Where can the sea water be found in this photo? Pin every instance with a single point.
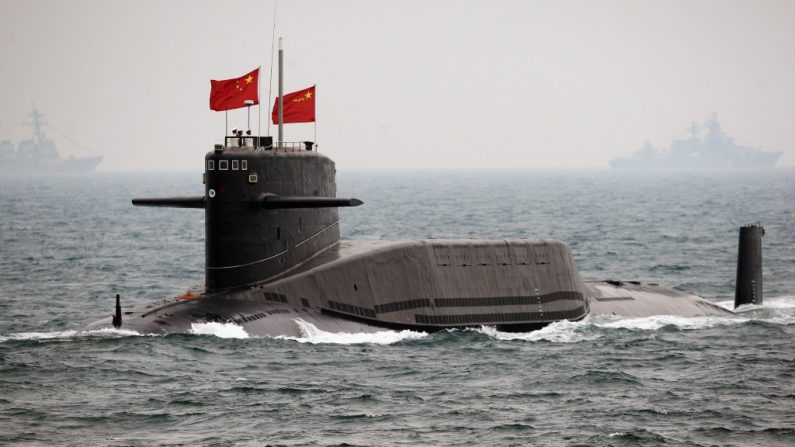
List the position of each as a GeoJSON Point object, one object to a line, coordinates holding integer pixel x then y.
{"type": "Point", "coordinates": [68, 244]}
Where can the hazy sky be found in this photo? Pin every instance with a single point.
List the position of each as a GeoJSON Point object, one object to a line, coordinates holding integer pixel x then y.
{"type": "Point", "coordinates": [404, 84]}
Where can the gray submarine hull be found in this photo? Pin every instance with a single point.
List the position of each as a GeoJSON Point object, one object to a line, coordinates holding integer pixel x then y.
{"type": "Point", "coordinates": [429, 285]}
{"type": "Point", "coordinates": [275, 264]}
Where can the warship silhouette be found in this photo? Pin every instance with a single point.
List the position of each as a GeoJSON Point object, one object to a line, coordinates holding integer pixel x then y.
{"type": "Point", "coordinates": [38, 155]}
{"type": "Point", "coordinates": [274, 262]}
{"type": "Point", "coordinates": [715, 150]}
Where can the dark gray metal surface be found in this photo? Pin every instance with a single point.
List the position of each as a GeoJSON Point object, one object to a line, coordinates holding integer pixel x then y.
{"type": "Point", "coordinates": [748, 288]}
{"type": "Point", "coordinates": [365, 286]}
{"type": "Point", "coordinates": [248, 242]}
{"type": "Point", "coordinates": [635, 299]}
{"type": "Point", "coordinates": [275, 265]}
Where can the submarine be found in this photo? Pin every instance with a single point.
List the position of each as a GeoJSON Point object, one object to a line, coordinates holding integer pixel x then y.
{"type": "Point", "coordinates": [274, 262]}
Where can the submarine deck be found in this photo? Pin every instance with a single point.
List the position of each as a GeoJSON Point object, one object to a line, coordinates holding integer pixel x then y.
{"type": "Point", "coordinates": [635, 299]}
{"type": "Point", "coordinates": [343, 249]}
{"type": "Point", "coordinates": [309, 292]}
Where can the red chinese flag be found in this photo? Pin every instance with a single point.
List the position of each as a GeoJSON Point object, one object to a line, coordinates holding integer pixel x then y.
{"type": "Point", "coordinates": [231, 94]}
{"type": "Point", "coordinates": [299, 107]}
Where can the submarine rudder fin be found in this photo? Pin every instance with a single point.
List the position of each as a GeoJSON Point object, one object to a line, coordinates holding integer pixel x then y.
{"type": "Point", "coordinates": [117, 317]}
{"type": "Point", "coordinates": [748, 287]}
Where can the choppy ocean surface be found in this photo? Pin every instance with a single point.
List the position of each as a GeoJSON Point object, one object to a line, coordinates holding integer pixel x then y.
{"type": "Point", "coordinates": [68, 244]}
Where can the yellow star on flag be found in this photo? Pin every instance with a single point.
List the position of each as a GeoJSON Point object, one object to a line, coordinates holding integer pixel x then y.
{"type": "Point", "coordinates": [249, 79]}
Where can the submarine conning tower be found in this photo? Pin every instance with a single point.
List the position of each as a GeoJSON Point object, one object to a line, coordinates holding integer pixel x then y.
{"type": "Point", "coordinates": [246, 242]}
{"type": "Point", "coordinates": [267, 210]}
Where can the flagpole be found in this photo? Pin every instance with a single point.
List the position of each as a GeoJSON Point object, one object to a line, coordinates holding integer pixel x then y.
{"type": "Point", "coordinates": [315, 118]}
{"type": "Point", "coordinates": [259, 109]}
{"type": "Point", "coordinates": [281, 92]}
{"type": "Point", "coordinates": [226, 125]}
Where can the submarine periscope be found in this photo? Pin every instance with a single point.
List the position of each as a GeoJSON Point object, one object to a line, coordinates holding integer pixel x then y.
{"type": "Point", "coordinates": [274, 260]}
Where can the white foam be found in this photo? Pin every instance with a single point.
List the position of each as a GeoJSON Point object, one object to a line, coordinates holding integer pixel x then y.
{"type": "Point", "coordinates": [776, 310]}
{"type": "Point", "coordinates": [37, 335]}
{"type": "Point", "coordinates": [311, 334]}
{"type": "Point", "coordinates": [778, 302]}
{"type": "Point", "coordinates": [557, 332]}
{"type": "Point", "coordinates": [220, 330]}
{"type": "Point", "coordinates": [112, 332]}
{"type": "Point", "coordinates": [68, 334]}
{"type": "Point", "coordinates": [654, 323]}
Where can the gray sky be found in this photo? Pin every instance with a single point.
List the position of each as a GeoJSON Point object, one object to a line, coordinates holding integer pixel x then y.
{"type": "Point", "coordinates": [404, 84]}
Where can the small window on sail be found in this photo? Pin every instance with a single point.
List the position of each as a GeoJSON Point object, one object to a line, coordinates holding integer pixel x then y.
{"type": "Point", "coordinates": [211, 165]}
{"type": "Point", "coordinates": [223, 165]}
{"type": "Point", "coordinates": [235, 164]}
{"type": "Point", "coordinates": [244, 165]}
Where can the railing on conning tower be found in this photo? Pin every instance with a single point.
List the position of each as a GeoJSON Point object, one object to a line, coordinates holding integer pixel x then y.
{"type": "Point", "coordinates": [255, 143]}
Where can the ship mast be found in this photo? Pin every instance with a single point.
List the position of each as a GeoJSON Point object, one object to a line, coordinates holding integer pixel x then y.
{"type": "Point", "coordinates": [38, 125]}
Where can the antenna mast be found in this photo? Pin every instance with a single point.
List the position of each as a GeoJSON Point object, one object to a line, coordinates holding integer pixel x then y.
{"type": "Point", "coordinates": [270, 77]}
{"type": "Point", "coordinates": [281, 92]}
{"type": "Point", "coordinates": [38, 124]}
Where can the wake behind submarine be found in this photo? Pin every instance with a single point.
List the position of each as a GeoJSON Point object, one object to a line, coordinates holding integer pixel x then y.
{"type": "Point", "coordinates": [274, 259]}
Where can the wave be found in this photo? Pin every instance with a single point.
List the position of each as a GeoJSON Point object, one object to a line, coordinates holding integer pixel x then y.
{"type": "Point", "coordinates": [558, 332]}
{"type": "Point", "coordinates": [776, 302]}
{"type": "Point", "coordinates": [592, 328]}
{"type": "Point", "coordinates": [54, 335]}
{"type": "Point", "coordinates": [311, 334]}
{"type": "Point", "coordinates": [776, 310]}
{"type": "Point", "coordinates": [779, 303]}
{"type": "Point", "coordinates": [37, 335]}
{"type": "Point", "coordinates": [220, 330]}
{"type": "Point", "coordinates": [656, 322]}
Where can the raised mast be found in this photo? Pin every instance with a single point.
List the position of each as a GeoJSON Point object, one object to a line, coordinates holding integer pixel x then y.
{"type": "Point", "coordinates": [281, 92]}
{"type": "Point", "coordinates": [38, 125]}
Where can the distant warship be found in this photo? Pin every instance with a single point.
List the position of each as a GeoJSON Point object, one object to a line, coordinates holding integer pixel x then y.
{"type": "Point", "coordinates": [39, 155]}
{"type": "Point", "coordinates": [274, 262]}
{"type": "Point", "coordinates": [714, 150]}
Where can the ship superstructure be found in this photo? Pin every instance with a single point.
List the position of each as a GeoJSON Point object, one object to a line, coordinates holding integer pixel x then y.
{"type": "Point", "coordinates": [39, 155]}
{"type": "Point", "coordinates": [713, 150]}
